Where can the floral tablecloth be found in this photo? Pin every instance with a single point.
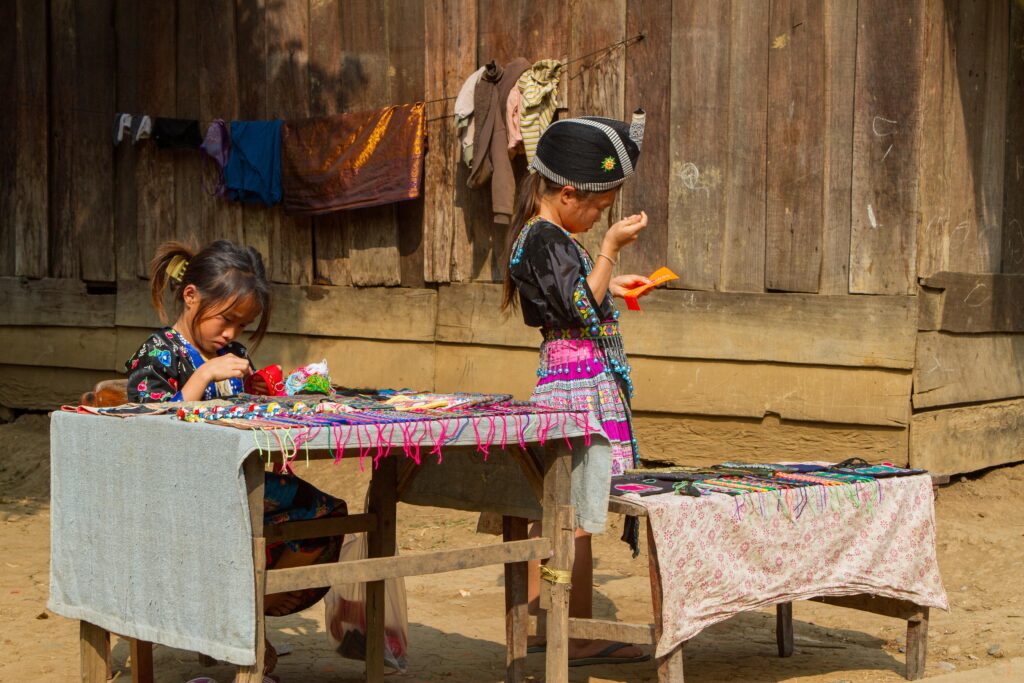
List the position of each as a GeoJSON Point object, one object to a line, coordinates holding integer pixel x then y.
{"type": "Point", "coordinates": [720, 555]}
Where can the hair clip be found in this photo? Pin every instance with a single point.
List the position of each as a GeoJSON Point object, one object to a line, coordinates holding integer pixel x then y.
{"type": "Point", "coordinates": [177, 267]}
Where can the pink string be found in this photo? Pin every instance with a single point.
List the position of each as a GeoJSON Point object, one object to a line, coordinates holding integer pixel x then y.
{"type": "Point", "coordinates": [493, 426]}
{"type": "Point", "coordinates": [504, 432]}
{"type": "Point", "coordinates": [407, 439]}
{"type": "Point", "coordinates": [439, 443]}
{"type": "Point", "coordinates": [476, 431]}
{"type": "Point", "coordinates": [565, 420]}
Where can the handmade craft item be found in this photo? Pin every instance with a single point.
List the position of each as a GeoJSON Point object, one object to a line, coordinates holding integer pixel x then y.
{"type": "Point", "coordinates": [658, 277]}
{"type": "Point", "coordinates": [310, 379]}
{"type": "Point", "coordinates": [272, 378]}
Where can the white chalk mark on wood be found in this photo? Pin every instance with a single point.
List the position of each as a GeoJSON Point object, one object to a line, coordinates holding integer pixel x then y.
{"type": "Point", "coordinates": [886, 153]}
{"type": "Point", "coordinates": [981, 299]}
{"type": "Point", "coordinates": [882, 126]}
{"type": "Point", "coordinates": [871, 217]}
{"type": "Point", "coordinates": [690, 175]}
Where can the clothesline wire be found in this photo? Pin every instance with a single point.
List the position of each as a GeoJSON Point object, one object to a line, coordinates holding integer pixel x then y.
{"type": "Point", "coordinates": [625, 42]}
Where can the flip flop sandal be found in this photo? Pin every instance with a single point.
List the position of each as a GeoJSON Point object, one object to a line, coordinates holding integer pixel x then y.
{"type": "Point", "coordinates": [534, 649]}
{"type": "Point", "coordinates": [604, 657]}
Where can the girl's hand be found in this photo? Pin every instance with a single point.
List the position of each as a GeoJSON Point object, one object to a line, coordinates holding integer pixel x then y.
{"type": "Point", "coordinates": [621, 284]}
{"type": "Point", "coordinates": [227, 366]}
{"type": "Point", "coordinates": [623, 232]}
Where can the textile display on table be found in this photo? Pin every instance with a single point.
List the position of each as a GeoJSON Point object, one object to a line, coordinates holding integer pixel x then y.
{"type": "Point", "coordinates": [583, 365]}
{"type": "Point", "coordinates": [253, 172]}
{"type": "Point", "coordinates": [464, 120]}
{"type": "Point", "coordinates": [539, 88]}
{"type": "Point", "coordinates": [150, 533]}
{"type": "Point", "coordinates": [181, 133]}
{"type": "Point", "coordinates": [351, 161]}
{"type": "Point", "coordinates": [491, 160]}
{"type": "Point", "coordinates": [720, 555]}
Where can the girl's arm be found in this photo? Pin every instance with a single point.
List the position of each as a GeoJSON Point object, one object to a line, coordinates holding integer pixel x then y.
{"type": "Point", "coordinates": [619, 235]}
{"type": "Point", "coordinates": [222, 367]}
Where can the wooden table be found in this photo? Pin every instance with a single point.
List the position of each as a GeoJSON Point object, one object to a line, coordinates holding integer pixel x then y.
{"type": "Point", "coordinates": [670, 666]}
{"type": "Point", "coordinates": [546, 473]}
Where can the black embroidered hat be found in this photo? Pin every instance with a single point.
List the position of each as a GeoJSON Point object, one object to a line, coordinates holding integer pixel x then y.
{"type": "Point", "coordinates": [590, 153]}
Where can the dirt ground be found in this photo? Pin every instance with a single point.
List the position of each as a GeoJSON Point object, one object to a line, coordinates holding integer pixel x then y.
{"type": "Point", "coordinates": [456, 619]}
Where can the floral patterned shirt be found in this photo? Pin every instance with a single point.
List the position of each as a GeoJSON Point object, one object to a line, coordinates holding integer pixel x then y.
{"type": "Point", "coordinates": [166, 361]}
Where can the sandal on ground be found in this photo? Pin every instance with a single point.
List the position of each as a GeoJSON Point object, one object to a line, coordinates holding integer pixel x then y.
{"type": "Point", "coordinates": [605, 657]}
{"type": "Point", "coordinates": [207, 679]}
{"type": "Point", "coordinates": [534, 649]}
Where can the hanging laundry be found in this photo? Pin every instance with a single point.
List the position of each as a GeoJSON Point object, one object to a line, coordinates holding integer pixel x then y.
{"type": "Point", "coordinates": [464, 121]}
{"type": "Point", "coordinates": [513, 112]}
{"type": "Point", "coordinates": [490, 139]}
{"type": "Point", "coordinates": [539, 87]}
{"type": "Point", "coordinates": [352, 161]}
{"type": "Point", "coordinates": [253, 172]}
{"type": "Point", "coordinates": [170, 133]}
{"type": "Point", "coordinates": [216, 147]}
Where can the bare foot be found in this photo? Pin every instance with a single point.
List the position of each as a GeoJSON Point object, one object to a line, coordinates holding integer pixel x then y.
{"type": "Point", "coordinates": [270, 658]}
{"type": "Point", "coordinates": [282, 604]}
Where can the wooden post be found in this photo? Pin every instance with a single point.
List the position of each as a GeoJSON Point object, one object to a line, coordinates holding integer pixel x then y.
{"type": "Point", "coordinates": [142, 661]}
{"type": "Point", "coordinates": [670, 667]}
{"type": "Point", "coordinates": [93, 646]}
{"type": "Point", "coordinates": [380, 543]}
{"type": "Point", "coordinates": [110, 655]}
{"type": "Point", "coordinates": [253, 468]}
{"type": "Point", "coordinates": [559, 526]}
{"type": "Point", "coordinates": [917, 644]}
{"type": "Point", "coordinates": [784, 628]}
{"type": "Point", "coordinates": [517, 618]}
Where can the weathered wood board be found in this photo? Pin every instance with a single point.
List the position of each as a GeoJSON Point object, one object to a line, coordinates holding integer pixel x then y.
{"type": "Point", "coordinates": [356, 363]}
{"type": "Point", "coordinates": [789, 328]}
{"type": "Point", "coordinates": [702, 440]}
{"type": "Point", "coordinates": [966, 439]}
{"type": "Point", "coordinates": [796, 140]}
{"type": "Point", "coordinates": [648, 68]}
{"type": "Point", "coordinates": [1013, 167]}
{"type": "Point", "coordinates": [886, 144]}
{"type": "Point", "coordinates": [45, 388]}
{"type": "Point", "coordinates": [700, 387]}
{"type": "Point", "coordinates": [840, 68]}
{"type": "Point", "coordinates": [70, 347]}
{"type": "Point", "coordinates": [972, 303]}
{"type": "Point", "coordinates": [51, 301]}
{"type": "Point", "coordinates": [953, 368]}
{"type": "Point", "coordinates": [963, 136]}
{"type": "Point", "coordinates": [371, 312]}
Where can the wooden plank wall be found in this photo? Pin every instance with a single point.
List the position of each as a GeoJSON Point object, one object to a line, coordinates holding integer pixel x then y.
{"type": "Point", "coordinates": [784, 152]}
{"type": "Point", "coordinates": [806, 191]}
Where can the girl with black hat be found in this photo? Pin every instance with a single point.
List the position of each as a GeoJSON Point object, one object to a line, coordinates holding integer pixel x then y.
{"type": "Point", "coordinates": [578, 169]}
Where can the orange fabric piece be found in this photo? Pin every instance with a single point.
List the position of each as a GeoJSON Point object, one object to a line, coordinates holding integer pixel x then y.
{"type": "Point", "coordinates": [658, 277]}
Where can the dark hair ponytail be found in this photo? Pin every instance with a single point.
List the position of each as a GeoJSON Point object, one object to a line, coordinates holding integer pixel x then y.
{"type": "Point", "coordinates": [222, 272]}
{"type": "Point", "coordinates": [527, 203]}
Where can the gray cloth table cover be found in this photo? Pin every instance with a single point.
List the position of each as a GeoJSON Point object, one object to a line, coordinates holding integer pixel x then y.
{"type": "Point", "coordinates": [150, 531]}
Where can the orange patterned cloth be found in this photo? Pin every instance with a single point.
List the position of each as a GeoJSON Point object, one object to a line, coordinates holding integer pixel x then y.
{"type": "Point", "coordinates": [350, 161]}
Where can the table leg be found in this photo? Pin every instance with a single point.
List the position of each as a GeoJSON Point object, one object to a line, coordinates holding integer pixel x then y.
{"type": "Point", "coordinates": [784, 628]}
{"type": "Point", "coordinates": [517, 618]}
{"type": "Point", "coordinates": [142, 661]}
{"type": "Point", "coordinates": [93, 648]}
{"type": "Point", "coordinates": [253, 469]}
{"type": "Point", "coordinates": [917, 644]}
{"type": "Point", "coordinates": [110, 655]}
{"type": "Point", "coordinates": [559, 526]}
{"type": "Point", "coordinates": [670, 667]}
{"type": "Point", "coordinates": [380, 543]}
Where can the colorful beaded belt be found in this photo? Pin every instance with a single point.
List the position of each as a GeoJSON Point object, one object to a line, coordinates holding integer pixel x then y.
{"type": "Point", "coordinates": [601, 331]}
